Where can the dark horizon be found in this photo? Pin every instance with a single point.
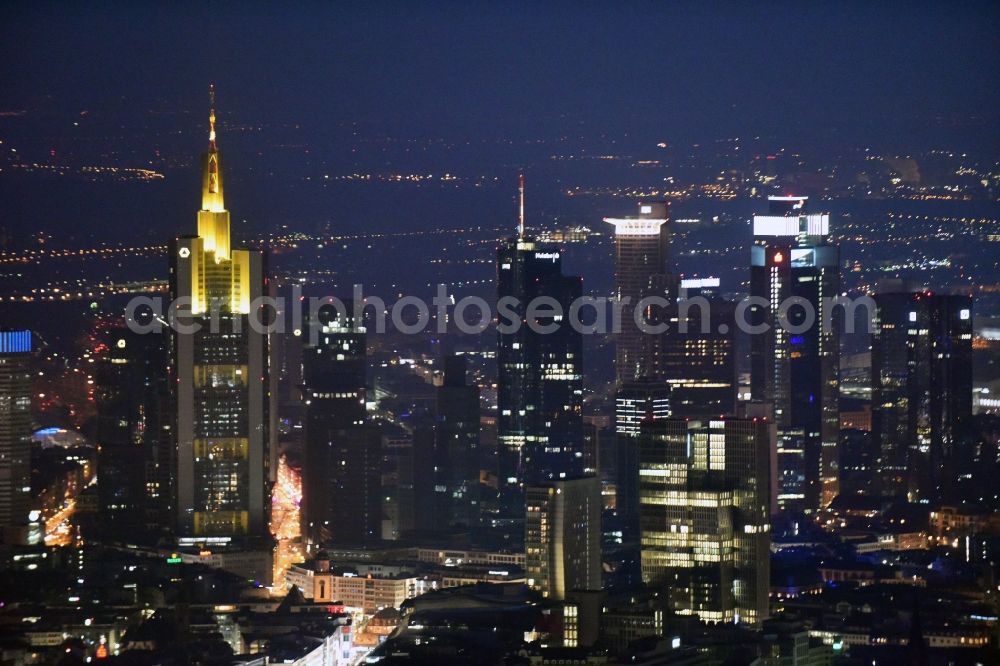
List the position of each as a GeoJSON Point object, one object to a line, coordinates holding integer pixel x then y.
{"type": "Point", "coordinates": [850, 72]}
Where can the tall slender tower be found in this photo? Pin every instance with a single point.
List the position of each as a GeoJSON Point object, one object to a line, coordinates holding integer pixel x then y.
{"type": "Point", "coordinates": [539, 375]}
{"type": "Point", "coordinates": [795, 363]}
{"type": "Point", "coordinates": [223, 393]}
{"type": "Point", "coordinates": [641, 254]}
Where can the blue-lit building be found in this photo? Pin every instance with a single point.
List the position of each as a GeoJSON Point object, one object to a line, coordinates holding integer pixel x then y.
{"type": "Point", "coordinates": [15, 433]}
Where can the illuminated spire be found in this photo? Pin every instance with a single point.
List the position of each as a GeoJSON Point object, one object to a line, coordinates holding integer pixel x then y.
{"type": "Point", "coordinates": [211, 189]}
{"type": "Point", "coordinates": [520, 217]}
{"type": "Point", "coordinates": [211, 118]}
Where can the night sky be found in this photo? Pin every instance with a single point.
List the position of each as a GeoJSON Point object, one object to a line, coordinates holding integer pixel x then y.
{"type": "Point", "coordinates": [679, 72]}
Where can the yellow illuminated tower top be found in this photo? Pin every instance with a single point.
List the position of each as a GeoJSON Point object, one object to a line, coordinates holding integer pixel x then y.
{"type": "Point", "coordinates": [219, 273]}
{"type": "Point", "coordinates": [213, 218]}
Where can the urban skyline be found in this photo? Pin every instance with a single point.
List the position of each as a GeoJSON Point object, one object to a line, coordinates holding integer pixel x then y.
{"type": "Point", "coordinates": [461, 368]}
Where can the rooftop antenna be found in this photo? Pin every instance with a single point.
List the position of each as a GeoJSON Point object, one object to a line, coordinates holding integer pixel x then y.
{"type": "Point", "coordinates": [520, 217]}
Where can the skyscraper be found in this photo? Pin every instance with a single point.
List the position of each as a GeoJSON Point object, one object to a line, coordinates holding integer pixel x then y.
{"type": "Point", "coordinates": [635, 403]}
{"type": "Point", "coordinates": [539, 375]}
{"type": "Point", "coordinates": [458, 457]}
{"type": "Point", "coordinates": [704, 495]}
{"type": "Point", "coordinates": [921, 388]}
{"type": "Point", "coordinates": [223, 392]}
{"type": "Point", "coordinates": [562, 536]}
{"type": "Point", "coordinates": [696, 356]}
{"type": "Point", "coordinates": [642, 246]}
{"type": "Point", "coordinates": [15, 433]}
{"type": "Point", "coordinates": [353, 479]}
{"type": "Point", "coordinates": [795, 364]}
{"type": "Point", "coordinates": [132, 393]}
{"type": "Point", "coordinates": [334, 362]}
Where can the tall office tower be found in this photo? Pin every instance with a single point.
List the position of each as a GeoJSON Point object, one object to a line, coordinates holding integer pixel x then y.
{"type": "Point", "coordinates": [641, 254]}
{"type": "Point", "coordinates": [562, 536]}
{"type": "Point", "coordinates": [458, 459]}
{"type": "Point", "coordinates": [224, 390]}
{"type": "Point", "coordinates": [334, 366]}
{"type": "Point", "coordinates": [795, 364]}
{"type": "Point", "coordinates": [636, 402]}
{"type": "Point", "coordinates": [696, 357]}
{"type": "Point", "coordinates": [15, 434]}
{"type": "Point", "coordinates": [704, 496]}
{"type": "Point", "coordinates": [921, 388]}
{"type": "Point", "coordinates": [134, 461]}
{"type": "Point", "coordinates": [539, 374]}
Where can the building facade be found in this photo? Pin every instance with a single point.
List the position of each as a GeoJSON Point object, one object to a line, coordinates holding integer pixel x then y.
{"type": "Point", "coordinates": [704, 517]}
{"type": "Point", "coordinates": [562, 536]}
{"type": "Point", "coordinates": [696, 356]}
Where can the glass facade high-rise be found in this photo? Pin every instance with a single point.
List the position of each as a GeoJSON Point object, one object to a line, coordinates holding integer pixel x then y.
{"type": "Point", "coordinates": [704, 516]}
{"type": "Point", "coordinates": [635, 403]}
{"type": "Point", "coordinates": [15, 433]}
{"type": "Point", "coordinates": [224, 392]}
{"type": "Point", "coordinates": [921, 389]}
{"type": "Point", "coordinates": [642, 245]}
{"type": "Point", "coordinates": [539, 374]}
{"type": "Point", "coordinates": [132, 395]}
{"type": "Point", "coordinates": [795, 361]}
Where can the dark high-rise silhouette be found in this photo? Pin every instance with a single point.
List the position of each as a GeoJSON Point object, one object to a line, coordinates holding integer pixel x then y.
{"type": "Point", "coordinates": [539, 374]}
{"type": "Point", "coordinates": [458, 456]}
{"type": "Point", "coordinates": [132, 395]}
{"type": "Point", "coordinates": [921, 388]}
{"type": "Point", "coordinates": [334, 366]}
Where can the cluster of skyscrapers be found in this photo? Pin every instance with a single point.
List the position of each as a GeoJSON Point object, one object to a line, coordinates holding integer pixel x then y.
{"type": "Point", "coordinates": [189, 421]}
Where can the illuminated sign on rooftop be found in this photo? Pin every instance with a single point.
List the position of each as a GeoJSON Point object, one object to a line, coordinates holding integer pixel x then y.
{"type": "Point", "coordinates": [15, 342]}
